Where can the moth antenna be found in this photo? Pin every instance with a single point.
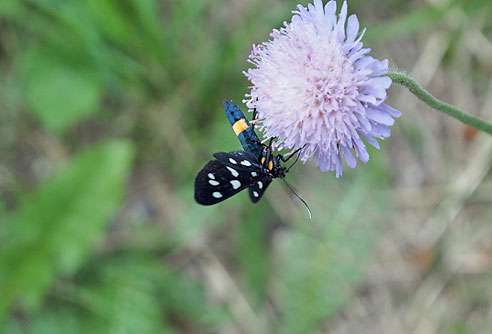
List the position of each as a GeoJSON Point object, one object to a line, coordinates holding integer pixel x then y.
{"type": "Point", "coordinates": [299, 197]}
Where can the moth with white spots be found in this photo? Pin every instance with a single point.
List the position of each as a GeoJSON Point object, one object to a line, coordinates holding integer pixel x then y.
{"type": "Point", "coordinates": [229, 174]}
{"type": "Point", "coordinates": [254, 168]}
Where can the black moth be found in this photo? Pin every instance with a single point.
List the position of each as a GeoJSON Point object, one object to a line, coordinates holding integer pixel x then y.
{"type": "Point", "coordinates": [254, 168]}
{"type": "Point", "coordinates": [233, 172]}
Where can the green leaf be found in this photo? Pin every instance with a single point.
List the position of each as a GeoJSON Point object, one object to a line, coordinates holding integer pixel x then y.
{"type": "Point", "coordinates": [11, 326]}
{"type": "Point", "coordinates": [325, 258]}
{"type": "Point", "coordinates": [58, 92]}
{"type": "Point", "coordinates": [254, 253]}
{"type": "Point", "coordinates": [55, 227]}
{"type": "Point", "coordinates": [56, 321]}
{"type": "Point", "coordinates": [137, 293]}
{"type": "Point", "coordinates": [110, 19]}
{"type": "Point", "coordinates": [186, 297]}
{"type": "Point", "coordinates": [10, 8]}
{"type": "Point", "coordinates": [123, 295]}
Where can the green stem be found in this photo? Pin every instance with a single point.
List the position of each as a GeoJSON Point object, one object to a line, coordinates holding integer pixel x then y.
{"type": "Point", "coordinates": [422, 94]}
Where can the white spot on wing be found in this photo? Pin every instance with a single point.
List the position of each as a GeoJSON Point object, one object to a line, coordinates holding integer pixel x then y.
{"type": "Point", "coordinates": [255, 193]}
{"type": "Point", "coordinates": [246, 163]}
{"type": "Point", "coordinates": [211, 176]}
{"type": "Point", "coordinates": [260, 184]}
{"type": "Point", "coordinates": [216, 194]}
{"type": "Point", "coordinates": [233, 161]}
{"type": "Point", "coordinates": [233, 171]}
{"type": "Point", "coordinates": [253, 174]}
{"type": "Point", "coordinates": [235, 184]}
{"type": "Point", "coordinates": [214, 183]}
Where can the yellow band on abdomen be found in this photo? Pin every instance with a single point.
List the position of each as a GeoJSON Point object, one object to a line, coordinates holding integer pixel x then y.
{"type": "Point", "coordinates": [240, 126]}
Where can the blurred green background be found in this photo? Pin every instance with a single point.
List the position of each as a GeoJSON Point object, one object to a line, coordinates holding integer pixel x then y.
{"type": "Point", "coordinates": [109, 108]}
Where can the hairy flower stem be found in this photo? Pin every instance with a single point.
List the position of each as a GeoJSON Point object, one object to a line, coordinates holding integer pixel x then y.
{"type": "Point", "coordinates": [473, 121]}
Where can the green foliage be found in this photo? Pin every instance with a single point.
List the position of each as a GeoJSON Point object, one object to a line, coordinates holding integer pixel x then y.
{"type": "Point", "coordinates": [254, 255]}
{"type": "Point", "coordinates": [9, 8]}
{"type": "Point", "coordinates": [324, 259]}
{"type": "Point", "coordinates": [130, 294]}
{"type": "Point", "coordinates": [56, 321]}
{"type": "Point", "coordinates": [124, 295]}
{"type": "Point", "coordinates": [59, 94]}
{"type": "Point", "coordinates": [55, 227]}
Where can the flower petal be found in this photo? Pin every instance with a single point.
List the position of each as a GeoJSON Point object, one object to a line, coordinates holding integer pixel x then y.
{"type": "Point", "coordinates": [392, 111]}
{"type": "Point", "coordinates": [349, 158]}
{"type": "Point", "coordinates": [379, 116]}
{"type": "Point", "coordinates": [352, 28]}
{"type": "Point", "coordinates": [370, 139]}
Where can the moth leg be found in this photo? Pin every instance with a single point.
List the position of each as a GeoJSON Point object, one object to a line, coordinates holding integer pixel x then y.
{"type": "Point", "coordinates": [291, 155]}
{"type": "Point", "coordinates": [253, 119]}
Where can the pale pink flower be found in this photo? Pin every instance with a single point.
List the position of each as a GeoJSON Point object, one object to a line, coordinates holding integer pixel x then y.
{"type": "Point", "coordinates": [314, 87]}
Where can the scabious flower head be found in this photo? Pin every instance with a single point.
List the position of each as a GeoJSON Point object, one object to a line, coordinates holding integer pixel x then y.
{"type": "Point", "coordinates": [314, 87]}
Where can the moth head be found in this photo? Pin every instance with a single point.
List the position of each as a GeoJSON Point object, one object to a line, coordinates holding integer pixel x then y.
{"type": "Point", "coordinates": [278, 170]}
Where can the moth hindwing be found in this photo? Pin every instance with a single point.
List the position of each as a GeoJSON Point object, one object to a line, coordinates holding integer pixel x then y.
{"type": "Point", "coordinates": [257, 189]}
{"type": "Point", "coordinates": [226, 176]}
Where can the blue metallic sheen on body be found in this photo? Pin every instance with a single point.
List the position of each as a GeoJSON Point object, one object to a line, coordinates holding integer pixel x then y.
{"type": "Point", "coordinates": [249, 140]}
